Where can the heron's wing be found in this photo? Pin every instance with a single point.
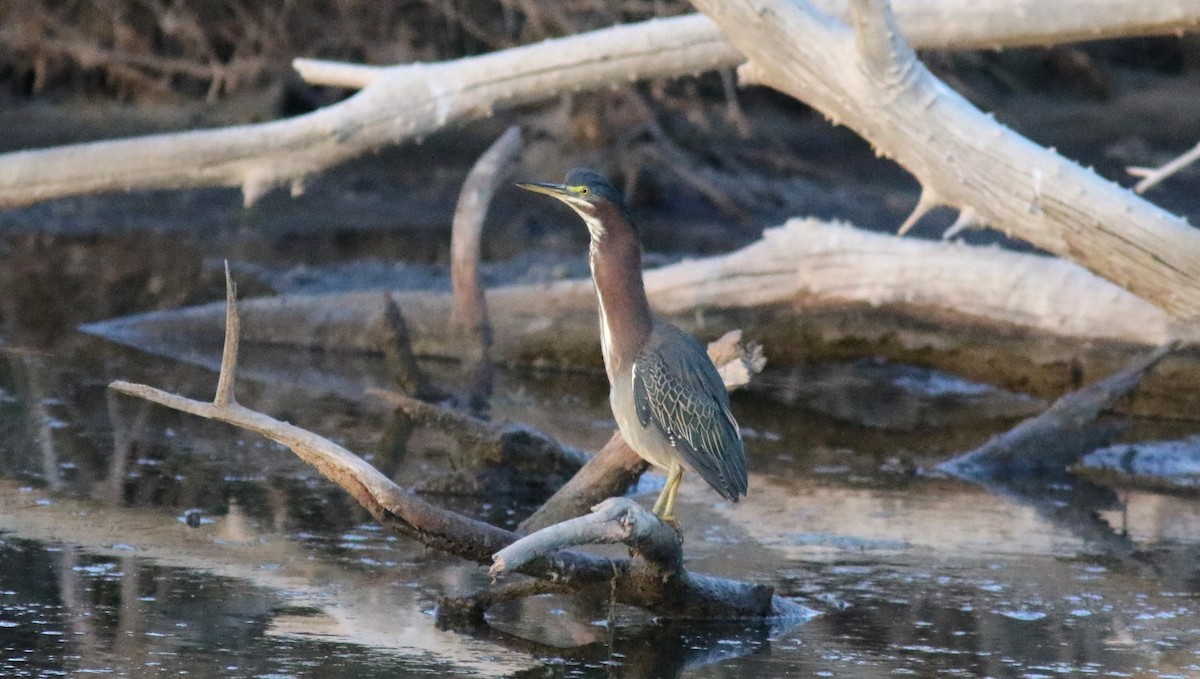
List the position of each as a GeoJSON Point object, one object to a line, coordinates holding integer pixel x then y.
{"type": "Point", "coordinates": [679, 391]}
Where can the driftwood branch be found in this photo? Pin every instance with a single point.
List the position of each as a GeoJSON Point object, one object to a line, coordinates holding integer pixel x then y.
{"type": "Point", "coordinates": [469, 315]}
{"type": "Point", "coordinates": [635, 581]}
{"type": "Point", "coordinates": [611, 471]}
{"type": "Point", "coordinates": [1060, 435]}
{"type": "Point", "coordinates": [406, 102]}
{"type": "Point", "coordinates": [870, 80]}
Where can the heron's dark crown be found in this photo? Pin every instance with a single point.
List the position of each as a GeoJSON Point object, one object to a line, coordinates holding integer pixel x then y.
{"type": "Point", "coordinates": [597, 184]}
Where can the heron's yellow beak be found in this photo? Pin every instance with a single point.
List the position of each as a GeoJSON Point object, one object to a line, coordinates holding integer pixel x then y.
{"type": "Point", "coordinates": [559, 191]}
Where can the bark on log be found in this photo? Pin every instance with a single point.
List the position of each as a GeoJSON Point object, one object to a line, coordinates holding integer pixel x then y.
{"type": "Point", "coordinates": [868, 78]}
{"type": "Point", "coordinates": [809, 290]}
{"type": "Point", "coordinates": [406, 102]}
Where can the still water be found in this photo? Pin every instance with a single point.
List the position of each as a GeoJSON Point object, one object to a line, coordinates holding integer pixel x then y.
{"type": "Point", "coordinates": [140, 542]}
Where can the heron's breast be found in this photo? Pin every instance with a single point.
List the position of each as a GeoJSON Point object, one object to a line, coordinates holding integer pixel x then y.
{"type": "Point", "coordinates": [648, 442]}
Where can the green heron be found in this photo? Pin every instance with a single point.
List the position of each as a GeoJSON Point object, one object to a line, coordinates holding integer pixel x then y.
{"type": "Point", "coordinates": [669, 402]}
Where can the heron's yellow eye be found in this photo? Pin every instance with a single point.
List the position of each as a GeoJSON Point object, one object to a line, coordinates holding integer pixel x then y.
{"type": "Point", "coordinates": [583, 190]}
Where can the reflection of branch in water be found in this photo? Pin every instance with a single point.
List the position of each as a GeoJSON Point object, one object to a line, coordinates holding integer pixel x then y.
{"type": "Point", "coordinates": [76, 611]}
{"type": "Point", "coordinates": [1073, 503]}
{"type": "Point", "coordinates": [40, 421]}
{"type": "Point", "coordinates": [646, 580]}
{"type": "Point", "coordinates": [666, 649]}
{"type": "Point", "coordinates": [124, 432]}
{"type": "Point", "coordinates": [1028, 462]}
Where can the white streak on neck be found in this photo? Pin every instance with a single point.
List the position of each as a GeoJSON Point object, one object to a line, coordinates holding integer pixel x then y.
{"type": "Point", "coordinates": [594, 227]}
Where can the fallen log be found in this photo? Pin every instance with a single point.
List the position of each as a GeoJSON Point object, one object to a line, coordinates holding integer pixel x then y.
{"type": "Point", "coordinates": [809, 290]}
{"type": "Point", "coordinates": [405, 102]}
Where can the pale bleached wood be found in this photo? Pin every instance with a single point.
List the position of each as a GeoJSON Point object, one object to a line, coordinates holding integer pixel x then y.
{"type": "Point", "coordinates": [869, 79]}
{"type": "Point", "coordinates": [931, 24]}
{"type": "Point", "coordinates": [406, 103]}
{"type": "Point", "coordinates": [409, 101]}
{"type": "Point", "coordinates": [806, 264]}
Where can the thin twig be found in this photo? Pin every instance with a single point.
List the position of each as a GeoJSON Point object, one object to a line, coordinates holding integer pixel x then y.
{"type": "Point", "coordinates": [1152, 176]}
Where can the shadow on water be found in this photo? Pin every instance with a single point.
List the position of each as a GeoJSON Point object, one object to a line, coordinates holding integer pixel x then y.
{"type": "Point", "coordinates": [137, 540]}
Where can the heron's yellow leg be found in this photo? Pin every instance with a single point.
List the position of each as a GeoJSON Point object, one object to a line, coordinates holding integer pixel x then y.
{"type": "Point", "coordinates": [670, 491]}
{"type": "Point", "coordinates": [662, 498]}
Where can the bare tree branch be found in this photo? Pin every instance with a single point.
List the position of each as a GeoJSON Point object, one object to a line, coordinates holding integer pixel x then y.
{"type": "Point", "coordinates": [616, 520]}
{"type": "Point", "coordinates": [870, 80]}
{"type": "Point", "coordinates": [469, 314]}
{"type": "Point", "coordinates": [406, 102]}
{"type": "Point", "coordinates": [933, 24]}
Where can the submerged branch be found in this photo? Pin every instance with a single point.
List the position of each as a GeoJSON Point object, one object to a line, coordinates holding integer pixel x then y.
{"type": "Point", "coordinates": [1060, 435]}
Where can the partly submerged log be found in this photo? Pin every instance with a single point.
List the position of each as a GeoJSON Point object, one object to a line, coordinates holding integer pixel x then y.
{"type": "Point", "coordinates": [1169, 465]}
{"type": "Point", "coordinates": [809, 290]}
{"type": "Point", "coordinates": [1058, 437]}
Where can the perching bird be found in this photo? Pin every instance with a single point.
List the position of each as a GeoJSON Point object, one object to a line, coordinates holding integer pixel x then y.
{"type": "Point", "coordinates": [669, 402]}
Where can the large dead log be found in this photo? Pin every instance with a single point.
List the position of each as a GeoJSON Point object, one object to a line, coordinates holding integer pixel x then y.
{"type": "Point", "coordinates": [868, 78]}
{"type": "Point", "coordinates": [809, 290]}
